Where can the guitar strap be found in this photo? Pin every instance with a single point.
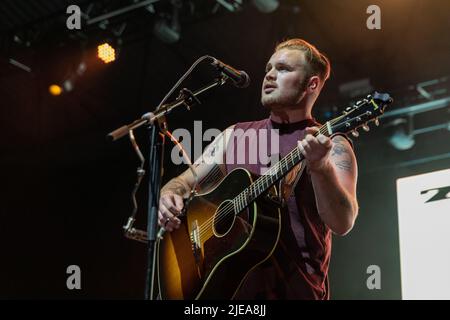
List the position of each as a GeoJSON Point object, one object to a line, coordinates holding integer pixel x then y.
{"type": "Point", "coordinates": [288, 183]}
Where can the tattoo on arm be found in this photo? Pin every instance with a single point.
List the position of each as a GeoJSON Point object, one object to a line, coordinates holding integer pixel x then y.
{"type": "Point", "coordinates": [213, 172]}
{"type": "Point", "coordinates": [344, 202]}
{"type": "Point", "coordinates": [344, 165]}
{"type": "Point", "coordinates": [341, 154]}
{"type": "Point", "coordinates": [175, 186]}
{"type": "Point", "coordinates": [213, 177]}
{"type": "Point", "coordinates": [339, 149]}
{"type": "Point", "coordinates": [208, 170]}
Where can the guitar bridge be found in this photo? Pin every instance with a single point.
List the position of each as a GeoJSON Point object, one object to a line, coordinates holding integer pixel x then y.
{"type": "Point", "coordinates": [195, 240]}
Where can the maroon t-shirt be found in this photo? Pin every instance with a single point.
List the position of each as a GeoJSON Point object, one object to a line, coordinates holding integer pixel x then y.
{"type": "Point", "coordinates": [298, 268]}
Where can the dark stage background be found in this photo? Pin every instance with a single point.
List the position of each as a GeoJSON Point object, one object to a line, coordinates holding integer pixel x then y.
{"type": "Point", "coordinates": [65, 191]}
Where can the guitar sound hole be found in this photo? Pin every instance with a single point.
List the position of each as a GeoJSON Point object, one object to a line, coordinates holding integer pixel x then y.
{"type": "Point", "coordinates": [224, 218]}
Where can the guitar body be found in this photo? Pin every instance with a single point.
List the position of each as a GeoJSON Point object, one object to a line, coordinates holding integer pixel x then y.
{"type": "Point", "coordinates": [214, 249]}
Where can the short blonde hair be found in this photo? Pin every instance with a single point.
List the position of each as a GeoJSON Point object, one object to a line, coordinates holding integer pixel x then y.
{"type": "Point", "coordinates": [317, 63]}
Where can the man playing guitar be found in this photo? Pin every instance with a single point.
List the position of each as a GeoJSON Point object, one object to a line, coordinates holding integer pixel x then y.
{"type": "Point", "coordinates": [318, 201]}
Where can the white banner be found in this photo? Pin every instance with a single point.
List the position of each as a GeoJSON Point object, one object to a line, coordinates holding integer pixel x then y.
{"type": "Point", "coordinates": [424, 231]}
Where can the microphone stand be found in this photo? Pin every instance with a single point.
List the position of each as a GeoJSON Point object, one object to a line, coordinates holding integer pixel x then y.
{"type": "Point", "coordinates": [149, 118]}
{"type": "Point", "coordinates": [156, 155]}
{"type": "Point", "coordinates": [188, 99]}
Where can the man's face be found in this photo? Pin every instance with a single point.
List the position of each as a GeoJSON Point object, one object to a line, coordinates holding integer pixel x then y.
{"type": "Point", "coordinates": [284, 83]}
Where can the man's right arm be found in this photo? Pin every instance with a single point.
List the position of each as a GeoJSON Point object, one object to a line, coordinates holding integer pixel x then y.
{"type": "Point", "coordinates": [210, 170]}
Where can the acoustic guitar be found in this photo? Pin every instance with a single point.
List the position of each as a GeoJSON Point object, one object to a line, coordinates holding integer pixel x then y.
{"type": "Point", "coordinates": [230, 230]}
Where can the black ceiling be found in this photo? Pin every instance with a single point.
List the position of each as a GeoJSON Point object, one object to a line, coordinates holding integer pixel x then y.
{"type": "Point", "coordinates": [412, 45]}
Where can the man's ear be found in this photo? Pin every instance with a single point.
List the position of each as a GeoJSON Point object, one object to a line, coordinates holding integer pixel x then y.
{"type": "Point", "coordinates": [313, 83]}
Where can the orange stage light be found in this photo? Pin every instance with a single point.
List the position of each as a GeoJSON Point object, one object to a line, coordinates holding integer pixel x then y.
{"type": "Point", "coordinates": [106, 53]}
{"type": "Point", "coordinates": [55, 90]}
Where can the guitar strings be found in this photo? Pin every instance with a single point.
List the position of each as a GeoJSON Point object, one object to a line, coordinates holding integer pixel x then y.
{"type": "Point", "coordinates": [212, 176]}
{"type": "Point", "coordinates": [224, 212]}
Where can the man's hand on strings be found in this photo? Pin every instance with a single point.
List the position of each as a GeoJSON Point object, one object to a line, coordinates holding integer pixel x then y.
{"type": "Point", "coordinates": [316, 149]}
{"type": "Point", "coordinates": [170, 205]}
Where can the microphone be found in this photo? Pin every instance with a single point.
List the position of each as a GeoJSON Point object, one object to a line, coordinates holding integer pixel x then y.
{"type": "Point", "coordinates": [240, 78]}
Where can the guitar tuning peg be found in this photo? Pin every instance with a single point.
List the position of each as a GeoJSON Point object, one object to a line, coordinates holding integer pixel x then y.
{"type": "Point", "coordinates": [365, 127]}
{"type": "Point", "coordinates": [377, 122]}
{"type": "Point", "coordinates": [355, 133]}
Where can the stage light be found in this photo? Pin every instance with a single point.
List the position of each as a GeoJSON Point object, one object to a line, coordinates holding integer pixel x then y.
{"type": "Point", "coordinates": [68, 84]}
{"type": "Point", "coordinates": [401, 141]}
{"type": "Point", "coordinates": [166, 33]}
{"type": "Point", "coordinates": [266, 6]}
{"type": "Point", "coordinates": [169, 31]}
{"type": "Point", "coordinates": [55, 90]}
{"type": "Point", "coordinates": [106, 53]}
{"type": "Point", "coordinates": [401, 135]}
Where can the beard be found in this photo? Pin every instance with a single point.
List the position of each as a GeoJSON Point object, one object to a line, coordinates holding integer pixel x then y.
{"type": "Point", "coordinates": [274, 101]}
{"type": "Point", "coordinates": [277, 100]}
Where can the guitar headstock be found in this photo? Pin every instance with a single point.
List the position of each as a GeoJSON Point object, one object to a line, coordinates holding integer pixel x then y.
{"type": "Point", "coordinates": [361, 114]}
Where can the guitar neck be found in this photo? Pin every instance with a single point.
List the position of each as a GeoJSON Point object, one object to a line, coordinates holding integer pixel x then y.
{"type": "Point", "coordinates": [362, 112]}
{"type": "Point", "coordinates": [274, 174]}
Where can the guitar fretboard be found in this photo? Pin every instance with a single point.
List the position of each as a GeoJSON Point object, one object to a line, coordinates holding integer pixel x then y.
{"type": "Point", "coordinates": [360, 114]}
{"type": "Point", "coordinates": [275, 173]}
